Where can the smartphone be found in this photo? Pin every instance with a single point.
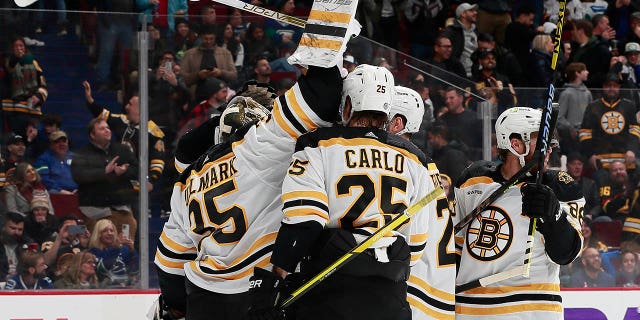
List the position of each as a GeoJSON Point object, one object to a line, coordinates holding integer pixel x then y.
{"type": "Point", "coordinates": [168, 67]}
{"type": "Point", "coordinates": [125, 230]}
{"type": "Point", "coordinates": [80, 229]}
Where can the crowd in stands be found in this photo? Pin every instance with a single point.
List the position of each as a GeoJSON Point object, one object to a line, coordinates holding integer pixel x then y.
{"type": "Point", "coordinates": [484, 54]}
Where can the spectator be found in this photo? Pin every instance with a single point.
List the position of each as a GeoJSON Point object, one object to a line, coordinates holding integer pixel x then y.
{"type": "Point", "coordinates": [184, 38]}
{"type": "Point", "coordinates": [463, 35]}
{"type": "Point", "coordinates": [591, 274]}
{"type": "Point", "coordinates": [208, 19]}
{"type": "Point", "coordinates": [16, 151]}
{"type": "Point", "coordinates": [67, 242]}
{"type": "Point", "coordinates": [81, 273]}
{"type": "Point", "coordinates": [283, 35]}
{"type": "Point", "coordinates": [31, 273]}
{"type": "Point", "coordinates": [520, 32]}
{"type": "Point", "coordinates": [54, 165]}
{"type": "Point", "coordinates": [163, 13]}
{"type": "Point", "coordinates": [262, 70]}
{"type": "Point", "coordinates": [633, 35]}
{"type": "Point", "coordinates": [237, 23]}
{"type": "Point", "coordinates": [601, 28]}
{"type": "Point", "coordinates": [106, 173]}
{"type": "Point", "coordinates": [449, 155]}
{"type": "Point", "coordinates": [493, 86]}
{"type": "Point", "coordinates": [627, 67]}
{"type": "Point", "coordinates": [588, 50]}
{"type": "Point", "coordinates": [462, 123]}
{"type": "Point", "coordinates": [575, 167]}
{"type": "Point", "coordinates": [127, 131]}
{"type": "Point", "coordinates": [257, 45]}
{"type": "Point", "coordinates": [422, 18]}
{"type": "Point", "coordinates": [157, 46]}
{"type": "Point", "coordinates": [506, 62]}
{"type": "Point", "coordinates": [539, 64]}
{"type": "Point", "coordinates": [115, 256]}
{"type": "Point", "coordinates": [573, 101]}
{"type": "Point", "coordinates": [493, 18]}
{"type": "Point", "coordinates": [609, 129]}
{"type": "Point", "coordinates": [39, 225]}
{"type": "Point", "coordinates": [25, 185]}
{"type": "Point", "coordinates": [207, 61]}
{"type": "Point", "coordinates": [28, 88]}
{"type": "Point", "coordinates": [228, 40]}
{"type": "Point", "coordinates": [213, 94]}
{"type": "Point", "coordinates": [13, 242]}
{"type": "Point", "coordinates": [627, 275]}
{"type": "Point", "coordinates": [444, 65]}
{"type": "Point", "coordinates": [349, 62]}
{"type": "Point", "coordinates": [616, 189]}
{"type": "Point", "coordinates": [48, 124]}
{"type": "Point", "coordinates": [590, 237]}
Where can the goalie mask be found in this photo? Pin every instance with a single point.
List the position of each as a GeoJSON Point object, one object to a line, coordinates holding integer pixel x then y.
{"type": "Point", "coordinates": [239, 112]}
{"type": "Point", "coordinates": [369, 88]}
{"type": "Point", "coordinates": [519, 120]}
{"type": "Point", "coordinates": [408, 103]}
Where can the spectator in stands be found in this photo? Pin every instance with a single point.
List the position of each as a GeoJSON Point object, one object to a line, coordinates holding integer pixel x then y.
{"type": "Point", "coordinates": [591, 238]}
{"type": "Point", "coordinates": [81, 273]}
{"type": "Point", "coordinates": [127, 131]}
{"type": "Point", "coordinates": [349, 62]}
{"type": "Point", "coordinates": [28, 88]}
{"type": "Point", "coordinates": [449, 155]}
{"type": "Point", "coordinates": [184, 38]}
{"type": "Point", "coordinates": [116, 257]}
{"type": "Point", "coordinates": [601, 28]}
{"type": "Point", "coordinates": [520, 32]}
{"type": "Point", "coordinates": [256, 45]}
{"type": "Point", "coordinates": [207, 20]}
{"type": "Point", "coordinates": [616, 189]}
{"type": "Point", "coordinates": [163, 13]}
{"type": "Point", "coordinates": [207, 61]}
{"type": "Point", "coordinates": [591, 274]}
{"type": "Point", "coordinates": [575, 167]}
{"type": "Point", "coordinates": [31, 273]}
{"type": "Point", "coordinates": [588, 50]}
{"type": "Point", "coordinates": [158, 45]}
{"type": "Point", "coordinates": [16, 151]}
{"type": "Point", "coordinates": [633, 34]}
{"type": "Point", "coordinates": [463, 35]}
{"type": "Point", "coordinates": [213, 94]}
{"type": "Point", "coordinates": [54, 165]}
{"type": "Point", "coordinates": [463, 124]}
{"type": "Point", "coordinates": [283, 35]}
{"type": "Point", "coordinates": [609, 129]}
{"type": "Point", "coordinates": [107, 173]}
{"type": "Point", "coordinates": [627, 67]}
{"type": "Point", "coordinates": [628, 274]}
{"type": "Point", "coordinates": [39, 225]}
{"type": "Point", "coordinates": [13, 242]}
{"type": "Point", "coordinates": [228, 40]}
{"type": "Point", "coordinates": [493, 86]}
{"type": "Point", "coordinates": [25, 185]}
{"type": "Point", "coordinates": [573, 101]}
{"type": "Point", "coordinates": [506, 62]}
{"type": "Point", "coordinates": [65, 243]}
{"type": "Point", "coordinates": [237, 23]}
{"type": "Point", "coordinates": [539, 64]}
{"type": "Point", "coordinates": [620, 16]}
{"type": "Point", "coordinates": [49, 123]}
{"type": "Point", "coordinates": [262, 70]}
{"type": "Point", "coordinates": [493, 18]}
{"type": "Point", "coordinates": [444, 65]}
{"type": "Point", "coordinates": [422, 18]}
{"type": "Point", "coordinates": [114, 28]}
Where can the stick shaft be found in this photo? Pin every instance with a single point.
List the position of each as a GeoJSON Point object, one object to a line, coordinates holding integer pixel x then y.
{"type": "Point", "coordinates": [264, 12]}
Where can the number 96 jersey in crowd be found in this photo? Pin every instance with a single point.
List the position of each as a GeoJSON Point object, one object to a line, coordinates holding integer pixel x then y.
{"type": "Point", "coordinates": [497, 242]}
{"type": "Point", "coordinates": [226, 206]}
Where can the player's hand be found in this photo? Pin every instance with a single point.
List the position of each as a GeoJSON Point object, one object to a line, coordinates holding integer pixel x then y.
{"type": "Point", "coordinates": [539, 201]}
{"type": "Point", "coordinates": [266, 290]}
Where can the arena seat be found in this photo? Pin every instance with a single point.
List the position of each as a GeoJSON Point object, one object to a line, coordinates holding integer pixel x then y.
{"type": "Point", "coordinates": [64, 204]}
{"type": "Point", "coordinates": [608, 232]}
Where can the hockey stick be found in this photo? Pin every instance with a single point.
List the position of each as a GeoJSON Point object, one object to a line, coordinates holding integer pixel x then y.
{"type": "Point", "coordinates": [397, 221]}
{"type": "Point", "coordinates": [264, 12]}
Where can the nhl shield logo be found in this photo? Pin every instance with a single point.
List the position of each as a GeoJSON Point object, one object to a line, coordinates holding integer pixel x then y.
{"type": "Point", "coordinates": [489, 236]}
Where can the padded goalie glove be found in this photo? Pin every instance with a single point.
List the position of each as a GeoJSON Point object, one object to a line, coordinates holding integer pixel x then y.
{"type": "Point", "coordinates": [261, 92]}
{"type": "Point", "coordinates": [266, 291]}
{"type": "Point", "coordinates": [539, 201]}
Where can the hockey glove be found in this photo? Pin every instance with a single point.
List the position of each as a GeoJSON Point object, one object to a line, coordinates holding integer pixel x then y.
{"type": "Point", "coordinates": [539, 201]}
{"type": "Point", "coordinates": [266, 291]}
{"type": "Point", "coordinates": [262, 93]}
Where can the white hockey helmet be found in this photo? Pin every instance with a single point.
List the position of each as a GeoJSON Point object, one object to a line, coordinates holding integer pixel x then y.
{"type": "Point", "coordinates": [239, 111]}
{"type": "Point", "coordinates": [408, 103]}
{"type": "Point", "coordinates": [369, 88]}
{"type": "Point", "coordinates": [518, 120]}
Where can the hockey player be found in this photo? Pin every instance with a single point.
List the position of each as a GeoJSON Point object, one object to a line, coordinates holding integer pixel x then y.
{"type": "Point", "coordinates": [431, 285]}
{"type": "Point", "coordinates": [342, 185]}
{"type": "Point", "coordinates": [496, 240]}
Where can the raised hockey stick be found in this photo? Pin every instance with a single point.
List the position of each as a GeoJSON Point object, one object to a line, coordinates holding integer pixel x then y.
{"type": "Point", "coordinates": [264, 12]}
{"type": "Point", "coordinates": [397, 221]}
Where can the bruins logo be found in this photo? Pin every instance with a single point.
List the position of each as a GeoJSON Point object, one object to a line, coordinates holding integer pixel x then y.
{"type": "Point", "coordinates": [564, 177]}
{"type": "Point", "coordinates": [612, 122]}
{"type": "Point", "coordinates": [489, 237]}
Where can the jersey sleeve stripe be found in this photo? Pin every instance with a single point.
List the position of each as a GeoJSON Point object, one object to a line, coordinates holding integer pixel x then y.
{"type": "Point", "coordinates": [297, 109]}
{"type": "Point", "coordinates": [417, 248]}
{"type": "Point", "coordinates": [429, 300]}
{"type": "Point", "coordinates": [421, 237]}
{"type": "Point", "coordinates": [305, 203]}
{"type": "Point", "coordinates": [235, 276]}
{"type": "Point", "coordinates": [634, 130]}
{"type": "Point", "coordinates": [174, 245]}
{"type": "Point", "coordinates": [585, 134]}
{"type": "Point", "coordinates": [288, 114]}
{"type": "Point", "coordinates": [493, 310]}
{"type": "Point", "coordinates": [174, 255]}
{"type": "Point", "coordinates": [167, 265]}
{"type": "Point", "coordinates": [261, 242]}
{"type": "Point", "coordinates": [320, 196]}
{"type": "Point", "coordinates": [305, 212]}
{"type": "Point", "coordinates": [511, 289]}
{"type": "Point", "coordinates": [424, 286]}
{"type": "Point", "coordinates": [279, 117]}
{"type": "Point", "coordinates": [210, 267]}
{"type": "Point", "coordinates": [416, 303]}
{"type": "Point", "coordinates": [631, 225]}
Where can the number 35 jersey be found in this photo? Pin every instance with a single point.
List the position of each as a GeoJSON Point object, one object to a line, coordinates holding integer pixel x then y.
{"type": "Point", "coordinates": [497, 242]}
{"type": "Point", "coordinates": [226, 206]}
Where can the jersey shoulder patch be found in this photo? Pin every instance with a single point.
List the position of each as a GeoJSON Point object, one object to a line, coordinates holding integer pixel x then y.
{"type": "Point", "coordinates": [478, 169]}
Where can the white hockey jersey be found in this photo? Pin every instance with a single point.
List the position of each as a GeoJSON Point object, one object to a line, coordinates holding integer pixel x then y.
{"type": "Point", "coordinates": [226, 206]}
{"type": "Point", "coordinates": [497, 242]}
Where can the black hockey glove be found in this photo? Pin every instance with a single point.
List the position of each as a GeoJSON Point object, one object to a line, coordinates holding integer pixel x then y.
{"type": "Point", "coordinates": [539, 201]}
{"type": "Point", "coordinates": [266, 292]}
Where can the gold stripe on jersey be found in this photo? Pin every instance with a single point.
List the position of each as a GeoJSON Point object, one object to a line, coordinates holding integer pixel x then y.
{"type": "Point", "coordinates": [168, 242]}
{"type": "Point", "coordinates": [431, 167]}
{"type": "Point", "coordinates": [264, 262]}
{"type": "Point", "coordinates": [510, 289]}
{"type": "Point", "coordinates": [360, 142]}
{"type": "Point", "coordinates": [585, 134]}
{"type": "Point", "coordinates": [421, 237]}
{"type": "Point", "coordinates": [297, 109]}
{"type": "Point", "coordinates": [255, 247]}
{"type": "Point", "coordinates": [631, 225]}
{"type": "Point", "coordinates": [326, 16]}
{"type": "Point", "coordinates": [317, 43]}
{"type": "Point", "coordinates": [425, 287]}
{"type": "Point", "coordinates": [527, 306]}
{"type": "Point", "coordinates": [417, 303]}
{"type": "Point", "coordinates": [320, 196]}
{"type": "Point", "coordinates": [306, 212]}
{"type": "Point", "coordinates": [280, 119]}
{"type": "Point", "coordinates": [476, 180]}
{"type": "Point", "coordinates": [168, 263]}
{"type": "Point", "coordinates": [634, 130]}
